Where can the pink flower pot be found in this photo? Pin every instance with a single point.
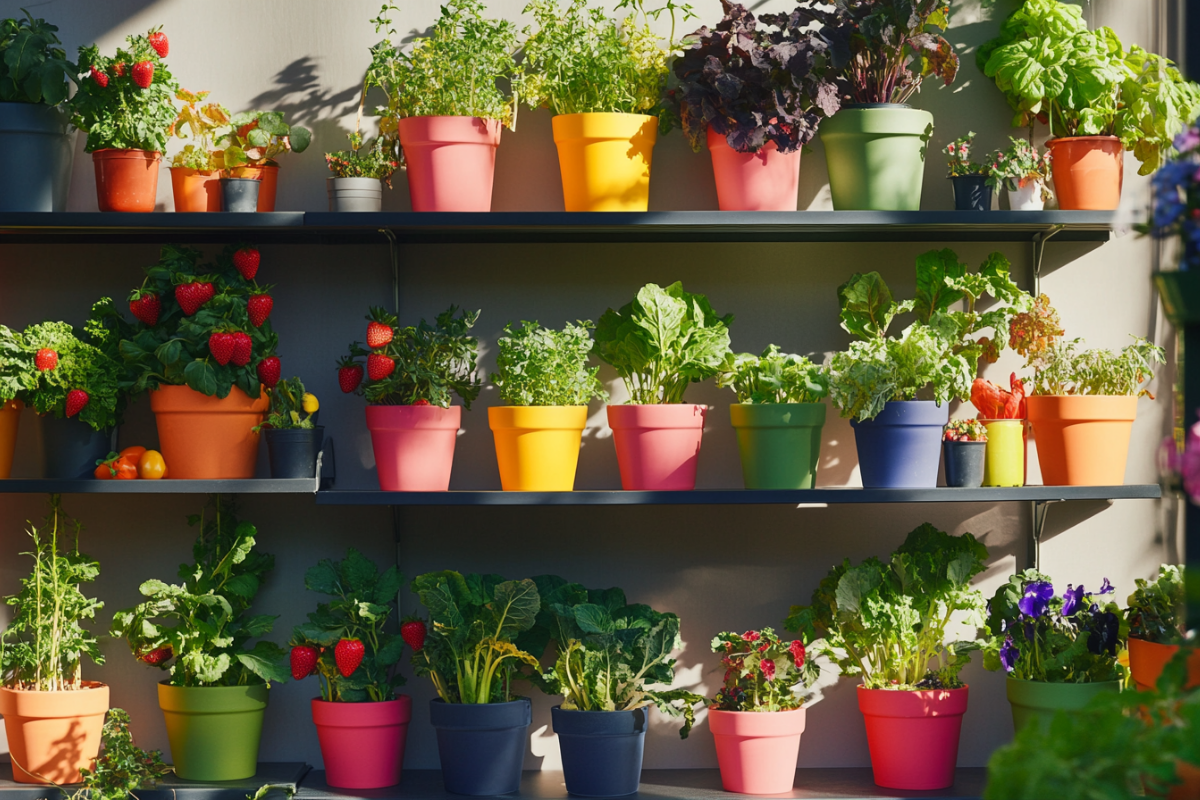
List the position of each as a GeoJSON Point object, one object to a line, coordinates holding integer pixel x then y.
{"type": "Point", "coordinates": [658, 446]}
{"type": "Point", "coordinates": [414, 446]}
{"type": "Point", "coordinates": [362, 744]}
{"type": "Point", "coordinates": [764, 181]}
{"type": "Point", "coordinates": [913, 736]}
{"type": "Point", "coordinates": [451, 162]}
{"type": "Point", "coordinates": [757, 751]}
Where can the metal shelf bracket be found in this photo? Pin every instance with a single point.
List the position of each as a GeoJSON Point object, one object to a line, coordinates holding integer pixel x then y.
{"type": "Point", "coordinates": [394, 252]}
{"type": "Point", "coordinates": [1039, 250]}
{"type": "Point", "coordinates": [1033, 555]}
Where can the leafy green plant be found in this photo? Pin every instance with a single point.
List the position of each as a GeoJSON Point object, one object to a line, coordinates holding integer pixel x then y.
{"type": "Point", "coordinates": [1068, 369]}
{"type": "Point", "coordinates": [291, 406]}
{"type": "Point", "coordinates": [33, 65]}
{"type": "Point", "coordinates": [44, 645]}
{"type": "Point", "coordinates": [122, 768]}
{"type": "Point", "coordinates": [18, 372]}
{"type": "Point", "coordinates": [662, 341]}
{"type": "Point", "coordinates": [258, 138]}
{"type": "Point", "coordinates": [363, 600]}
{"type": "Point", "coordinates": [886, 621]}
{"type": "Point", "coordinates": [200, 123]}
{"type": "Point", "coordinates": [81, 367]}
{"type": "Point", "coordinates": [377, 162]}
{"type": "Point", "coordinates": [199, 631]}
{"type": "Point", "coordinates": [1155, 609]}
{"type": "Point", "coordinates": [774, 377]}
{"type": "Point", "coordinates": [539, 366]}
{"type": "Point", "coordinates": [761, 671]}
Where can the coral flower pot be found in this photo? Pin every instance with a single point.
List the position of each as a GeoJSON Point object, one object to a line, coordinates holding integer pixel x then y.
{"type": "Point", "coordinates": [1082, 440]}
{"type": "Point", "coordinates": [362, 744]}
{"type": "Point", "coordinates": [52, 735]}
{"type": "Point", "coordinates": [537, 447]}
{"type": "Point", "coordinates": [214, 731]}
{"type": "Point", "coordinates": [204, 437]}
{"type": "Point", "coordinates": [764, 181]}
{"type": "Point", "coordinates": [126, 180]}
{"type": "Point", "coordinates": [605, 160]}
{"type": "Point", "coordinates": [10, 421]}
{"type": "Point", "coordinates": [658, 446]}
{"type": "Point", "coordinates": [451, 162]}
{"type": "Point", "coordinates": [1147, 660]}
{"type": "Point", "coordinates": [1087, 172]}
{"type": "Point", "coordinates": [757, 751]}
{"type": "Point", "coordinates": [195, 190]}
{"type": "Point", "coordinates": [913, 736]}
{"type": "Point", "coordinates": [414, 446]}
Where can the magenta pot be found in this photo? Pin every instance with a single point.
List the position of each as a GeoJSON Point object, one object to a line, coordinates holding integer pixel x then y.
{"type": "Point", "coordinates": [658, 446]}
{"type": "Point", "coordinates": [764, 181]}
{"type": "Point", "coordinates": [362, 744]}
{"type": "Point", "coordinates": [414, 446]}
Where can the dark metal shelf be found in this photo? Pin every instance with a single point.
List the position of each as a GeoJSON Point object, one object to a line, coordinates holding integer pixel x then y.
{"type": "Point", "coordinates": [87, 227]}
{"type": "Point", "coordinates": [165, 486]}
{"type": "Point", "coordinates": [171, 788]}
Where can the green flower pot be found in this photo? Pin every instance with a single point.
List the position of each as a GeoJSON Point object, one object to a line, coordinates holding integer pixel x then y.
{"type": "Point", "coordinates": [876, 156]}
{"type": "Point", "coordinates": [214, 731]}
{"type": "Point", "coordinates": [780, 443]}
{"type": "Point", "coordinates": [1034, 702]}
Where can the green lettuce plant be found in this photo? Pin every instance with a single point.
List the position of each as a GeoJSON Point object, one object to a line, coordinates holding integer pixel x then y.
{"type": "Point", "coordinates": [33, 65]}
{"type": "Point", "coordinates": [539, 366]}
{"type": "Point", "coordinates": [82, 366]}
{"type": "Point", "coordinates": [1154, 611]}
{"type": "Point", "coordinates": [774, 377]}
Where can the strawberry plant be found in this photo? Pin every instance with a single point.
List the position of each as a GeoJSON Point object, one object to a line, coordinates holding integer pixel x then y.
{"type": "Point", "coordinates": [122, 768]}
{"type": "Point", "coordinates": [85, 381]}
{"type": "Point", "coordinates": [761, 671]}
{"type": "Point", "coordinates": [774, 377]}
{"type": "Point", "coordinates": [363, 600]}
{"type": "Point", "coordinates": [257, 138]}
{"type": "Point", "coordinates": [200, 123]}
{"type": "Point", "coordinates": [33, 65]}
{"type": "Point", "coordinates": [204, 623]}
{"type": "Point", "coordinates": [538, 366]}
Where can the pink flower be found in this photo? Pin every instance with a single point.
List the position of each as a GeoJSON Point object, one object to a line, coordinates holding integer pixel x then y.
{"type": "Point", "coordinates": [797, 651]}
{"type": "Point", "coordinates": [950, 148]}
{"type": "Point", "coordinates": [768, 669]}
{"type": "Point", "coordinates": [751, 636]}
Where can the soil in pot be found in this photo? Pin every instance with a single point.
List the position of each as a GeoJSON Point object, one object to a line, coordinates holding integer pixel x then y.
{"type": "Point", "coordinates": [1147, 660]}
{"type": "Point", "coordinates": [451, 161]}
{"type": "Point", "coordinates": [537, 447]}
{"type": "Point", "coordinates": [292, 452]}
{"type": "Point", "coordinates": [902, 446]}
{"type": "Point", "coordinates": [52, 735]}
{"type": "Point", "coordinates": [764, 181]}
{"type": "Point", "coordinates": [757, 751]}
{"type": "Point", "coordinates": [204, 437]}
{"type": "Point", "coordinates": [971, 193]}
{"type": "Point", "coordinates": [70, 448]}
{"type": "Point", "coordinates": [214, 731]}
{"type": "Point", "coordinates": [604, 160]}
{"type": "Point", "coordinates": [658, 446]}
{"type": "Point", "coordinates": [964, 463]}
{"type": "Point", "coordinates": [601, 750]}
{"type": "Point", "coordinates": [913, 736]}
{"type": "Point", "coordinates": [239, 195]}
{"type": "Point", "coordinates": [1035, 702]}
{"type": "Point", "coordinates": [413, 446]}
{"type": "Point", "coordinates": [780, 444]}
{"type": "Point", "coordinates": [362, 744]}
{"type": "Point", "coordinates": [1082, 440]}
{"type": "Point", "coordinates": [126, 180]}
{"type": "Point", "coordinates": [481, 747]}
{"type": "Point", "coordinates": [876, 156]}
{"type": "Point", "coordinates": [1087, 172]}
{"type": "Point", "coordinates": [10, 422]}
{"type": "Point", "coordinates": [37, 149]}
{"type": "Point", "coordinates": [354, 194]}
{"type": "Point", "coordinates": [195, 191]}
{"type": "Point", "coordinates": [1004, 464]}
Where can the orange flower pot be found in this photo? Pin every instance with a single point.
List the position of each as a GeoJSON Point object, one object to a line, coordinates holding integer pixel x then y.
{"type": "Point", "coordinates": [10, 420]}
{"type": "Point", "coordinates": [195, 190]}
{"type": "Point", "coordinates": [1087, 171]}
{"type": "Point", "coordinates": [268, 178]}
{"type": "Point", "coordinates": [52, 735]}
{"type": "Point", "coordinates": [202, 437]}
{"type": "Point", "coordinates": [1147, 659]}
{"type": "Point", "coordinates": [1082, 440]}
{"type": "Point", "coordinates": [126, 180]}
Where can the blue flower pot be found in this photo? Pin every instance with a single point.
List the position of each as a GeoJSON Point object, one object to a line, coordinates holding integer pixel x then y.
{"type": "Point", "coordinates": [902, 447]}
{"type": "Point", "coordinates": [70, 448]}
{"type": "Point", "coordinates": [601, 750]}
{"type": "Point", "coordinates": [971, 193]}
{"type": "Point", "coordinates": [482, 747]}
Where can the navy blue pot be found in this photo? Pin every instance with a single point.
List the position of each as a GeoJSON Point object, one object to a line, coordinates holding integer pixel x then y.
{"type": "Point", "coordinates": [971, 193]}
{"type": "Point", "coordinates": [902, 447]}
{"type": "Point", "coordinates": [482, 747]}
{"type": "Point", "coordinates": [70, 448]}
{"type": "Point", "coordinates": [601, 750]}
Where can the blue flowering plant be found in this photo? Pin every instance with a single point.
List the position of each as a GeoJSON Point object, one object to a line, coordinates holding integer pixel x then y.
{"type": "Point", "coordinates": [1177, 198]}
{"type": "Point", "coordinates": [1037, 634]}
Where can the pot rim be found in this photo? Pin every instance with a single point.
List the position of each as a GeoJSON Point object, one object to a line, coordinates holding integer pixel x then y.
{"type": "Point", "coordinates": [86, 687]}
{"type": "Point", "coordinates": [1060, 139]}
{"type": "Point", "coordinates": [109, 150]}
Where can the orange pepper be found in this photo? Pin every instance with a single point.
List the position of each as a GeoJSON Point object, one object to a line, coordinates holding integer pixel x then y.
{"type": "Point", "coordinates": [127, 469]}
{"type": "Point", "coordinates": [103, 471]}
{"type": "Point", "coordinates": [135, 453]}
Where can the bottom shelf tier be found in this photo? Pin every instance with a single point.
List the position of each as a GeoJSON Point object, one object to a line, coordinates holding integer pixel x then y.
{"type": "Point", "coordinates": [285, 776]}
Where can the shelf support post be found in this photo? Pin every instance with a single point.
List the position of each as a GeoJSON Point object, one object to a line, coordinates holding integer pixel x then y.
{"type": "Point", "coordinates": [394, 252]}
{"type": "Point", "coordinates": [1039, 250]}
{"type": "Point", "coordinates": [1038, 510]}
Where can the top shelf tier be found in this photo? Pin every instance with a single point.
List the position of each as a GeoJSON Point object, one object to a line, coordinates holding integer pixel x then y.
{"type": "Point", "coordinates": [561, 227]}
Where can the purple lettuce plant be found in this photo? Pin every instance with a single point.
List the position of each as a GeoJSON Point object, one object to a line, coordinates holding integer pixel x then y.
{"type": "Point", "coordinates": [1177, 198]}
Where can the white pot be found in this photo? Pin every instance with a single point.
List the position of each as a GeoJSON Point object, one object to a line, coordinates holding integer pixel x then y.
{"type": "Point", "coordinates": [354, 194]}
{"type": "Point", "coordinates": [1027, 197]}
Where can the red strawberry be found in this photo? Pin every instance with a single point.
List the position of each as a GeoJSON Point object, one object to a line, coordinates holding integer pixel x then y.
{"type": "Point", "coordinates": [221, 347]}
{"type": "Point", "coordinates": [243, 349]}
{"type": "Point", "coordinates": [304, 661]}
{"type": "Point", "coordinates": [46, 359]}
{"type": "Point", "coordinates": [146, 308]}
{"type": "Point", "coordinates": [259, 307]}
{"type": "Point", "coordinates": [246, 262]}
{"type": "Point", "coordinates": [413, 633]}
{"type": "Point", "coordinates": [269, 371]}
{"type": "Point", "coordinates": [379, 367]}
{"type": "Point", "coordinates": [157, 656]}
{"type": "Point", "coordinates": [193, 295]}
{"type": "Point", "coordinates": [158, 40]}
{"type": "Point", "coordinates": [378, 334]}
{"type": "Point", "coordinates": [119, 68]}
{"type": "Point", "coordinates": [100, 77]}
{"type": "Point", "coordinates": [143, 74]}
{"type": "Point", "coordinates": [350, 375]}
{"type": "Point", "coordinates": [348, 654]}
{"type": "Point", "coordinates": [77, 399]}
{"type": "Point", "coordinates": [421, 402]}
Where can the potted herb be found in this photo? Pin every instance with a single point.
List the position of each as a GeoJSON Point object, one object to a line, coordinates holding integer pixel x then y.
{"type": "Point", "coordinates": [662, 341]}
{"type": "Point", "coordinates": [39, 144]}
{"type": "Point", "coordinates": [470, 656]}
{"type": "Point", "coordinates": [361, 722]}
{"type": "Point", "coordinates": [886, 621]}
{"type": "Point", "coordinates": [122, 768]}
{"type": "Point", "coordinates": [250, 148]}
{"type": "Point", "coordinates": [755, 90]}
{"type": "Point", "coordinates": [1024, 173]}
{"type": "Point", "coordinates": [971, 180]}
{"type": "Point", "coordinates": [1097, 98]}
{"type": "Point", "coordinates": [756, 718]}
{"type": "Point", "coordinates": [964, 443]}
{"type": "Point", "coordinates": [18, 374]}
{"type": "Point", "coordinates": [445, 103]}
{"type": "Point", "coordinates": [355, 185]}
{"type": "Point", "coordinates": [875, 145]}
{"type": "Point", "coordinates": [1003, 414]}
{"type": "Point", "coordinates": [601, 79]}
{"type": "Point", "coordinates": [294, 439]}
{"type": "Point", "coordinates": [52, 717]}
{"type": "Point", "coordinates": [1058, 651]}
{"type": "Point", "coordinates": [1155, 615]}
{"type": "Point", "coordinates": [778, 416]}
{"type": "Point", "coordinates": [545, 384]}
{"type": "Point", "coordinates": [195, 172]}
{"type": "Point", "coordinates": [199, 633]}
{"type": "Point", "coordinates": [125, 105]}
{"type": "Point", "coordinates": [411, 374]}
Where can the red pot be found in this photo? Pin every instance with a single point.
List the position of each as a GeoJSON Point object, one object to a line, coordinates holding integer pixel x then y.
{"type": "Point", "coordinates": [913, 736]}
{"type": "Point", "coordinates": [414, 446]}
{"type": "Point", "coordinates": [362, 744]}
{"type": "Point", "coordinates": [757, 751]}
{"type": "Point", "coordinates": [1147, 660]}
{"type": "Point", "coordinates": [658, 446]}
{"type": "Point", "coordinates": [764, 181]}
{"type": "Point", "coordinates": [126, 180]}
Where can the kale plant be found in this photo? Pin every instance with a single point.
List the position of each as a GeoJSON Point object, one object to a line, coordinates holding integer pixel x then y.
{"type": "Point", "coordinates": [774, 377]}
{"type": "Point", "coordinates": [81, 366]}
{"type": "Point", "coordinates": [1155, 610]}
{"type": "Point", "coordinates": [542, 367]}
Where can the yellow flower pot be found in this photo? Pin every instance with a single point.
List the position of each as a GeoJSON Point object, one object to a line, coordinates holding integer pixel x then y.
{"type": "Point", "coordinates": [605, 160]}
{"type": "Point", "coordinates": [1004, 464]}
{"type": "Point", "coordinates": [537, 447]}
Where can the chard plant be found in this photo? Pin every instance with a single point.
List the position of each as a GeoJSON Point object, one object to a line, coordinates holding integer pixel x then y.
{"type": "Point", "coordinates": [774, 377]}
{"type": "Point", "coordinates": [122, 769]}
{"type": "Point", "coordinates": [1155, 609]}
{"type": "Point", "coordinates": [761, 671]}
{"type": "Point", "coordinates": [33, 65]}
{"type": "Point", "coordinates": [85, 381]}
{"type": "Point", "coordinates": [539, 366]}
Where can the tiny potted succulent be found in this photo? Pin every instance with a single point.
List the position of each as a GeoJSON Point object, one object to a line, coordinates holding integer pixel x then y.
{"type": "Point", "coordinates": [886, 621]}
{"type": "Point", "coordinates": [970, 179]}
{"type": "Point", "coordinates": [250, 148]}
{"type": "Point", "coordinates": [198, 632]}
{"type": "Point", "coordinates": [445, 104]}
{"type": "Point", "coordinates": [1058, 651]}
{"type": "Point", "coordinates": [357, 175]}
{"type": "Point", "coordinates": [18, 374]}
{"type": "Point", "coordinates": [52, 717]}
{"type": "Point", "coordinates": [660, 343]}
{"type": "Point", "coordinates": [756, 718]}
{"type": "Point", "coordinates": [195, 173]}
{"type": "Point", "coordinates": [778, 416]}
{"type": "Point", "coordinates": [362, 723]}
{"type": "Point", "coordinates": [545, 384]}
{"type": "Point", "coordinates": [964, 442]}
{"type": "Point", "coordinates": [1155, 615]}
{"type": "Point", "coordinates": [294, 438]}
{"type": "Point", "coordinates": [1003, 414]}
{"type": "Point", "coordinates": [470, 655]}
{"type": "Point", "coordinates": [1024, 173]}
{"type": "Point", "coordinates": [754, 89]}
{"type": "Point", "coordinates": [411, 375]}
{"type": "Point", "coordinates": [125, 105]}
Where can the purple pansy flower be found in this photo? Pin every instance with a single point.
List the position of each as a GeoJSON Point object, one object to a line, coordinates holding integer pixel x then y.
{"type": "Point", "coordinates": [1009, 654]}
{"type": "Point", "coordinates": [1036, 601]}
{"type": "Point", "coordinates": [1106, 587]}
{"type": "Point", "coordinates": [1072, 598]}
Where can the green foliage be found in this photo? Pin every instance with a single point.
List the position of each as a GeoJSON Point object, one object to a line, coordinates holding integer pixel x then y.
{"type": "Point", "coordinates": [378, 162]}
{"type": "Point", "coordinates": [469, 652]}
{"type": "Point", "coordinates": [122, 768]}
{"type": "Point", "coordinates": [33, 65]}
{"type": "Point", "coordinates": [80, 366]}
{"type": "Point", "coordinates": [205, 621]}
{"type": "Point", "coordinates": [1065, 369]}
{"type": "Point", "coordinates": [18, 372]}
{"type": "Point", "coordinates": [1155, 610]}
{"type": "Point", "coordinates": [257, 138]}
{"type": "Point", "coordinates": [662, 341]}
{"type": "Point", "coordinates": [287, 407]}
{"type": "Point", "coordinates": [538, 366]}
{"type": "Point", "coordinates": [122, 115]}
{"type": "Point", "coordinates": [363, 600]}
{"type": "Point", "coordinates": [201, 124]}
{"type": "Point", "coordinates": [1019, 164]}
{"type": "Point", "coordinates": [42, 648]}
{"type": "Point", "coordinates": [887, 620]}
{"type": "Point", "coordinates": [761, 671]}
{"type": "Point", "coordinates": [774, 377]}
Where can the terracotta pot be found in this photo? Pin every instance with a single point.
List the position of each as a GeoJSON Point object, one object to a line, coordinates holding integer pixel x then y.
{"type": "Point", "coordinates": [362, 744]}
{"type": "Point", "coordinates": [1082, 440]}
{"type": "Point", "coordinates": [52, 735]}
{"type": "Point", "coordinates": [451, 161]}
{"type": "Point", "coordinates": [126, 180]}
{"type": "Point", "coordinates": [1147, 659]}
{"type": "Point", "coordinates": [764, 181]}
{"type": "Point", "coordinates": [757, 751]}
{"type": "Point", "coordinates": [10, 421]}
{"type": "Point", "coordinates": [913, 736]}
{"type": "Point", "coordinates": [658, 446]}
{"type": "Point", "coordinates": [414, 446]}
{"type": "Point", "coordinates": [204, 437]}
{"type": "Point", "coordinates": [1087, 172]}
{"type": "Point", "coordinates": [195, 190]}
{"type": "Point", "coordinates": [268, 178]}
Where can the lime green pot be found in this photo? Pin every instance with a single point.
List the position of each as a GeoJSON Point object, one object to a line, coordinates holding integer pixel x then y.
{"type": "Point", "coordinates": [876, 156]}
{"type": "Point", "coordinates": [780, 444]}
{"type": "Point", "coordinates": [214, 731]}
{"type": "Point", "coordinates": [1035, 702]}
